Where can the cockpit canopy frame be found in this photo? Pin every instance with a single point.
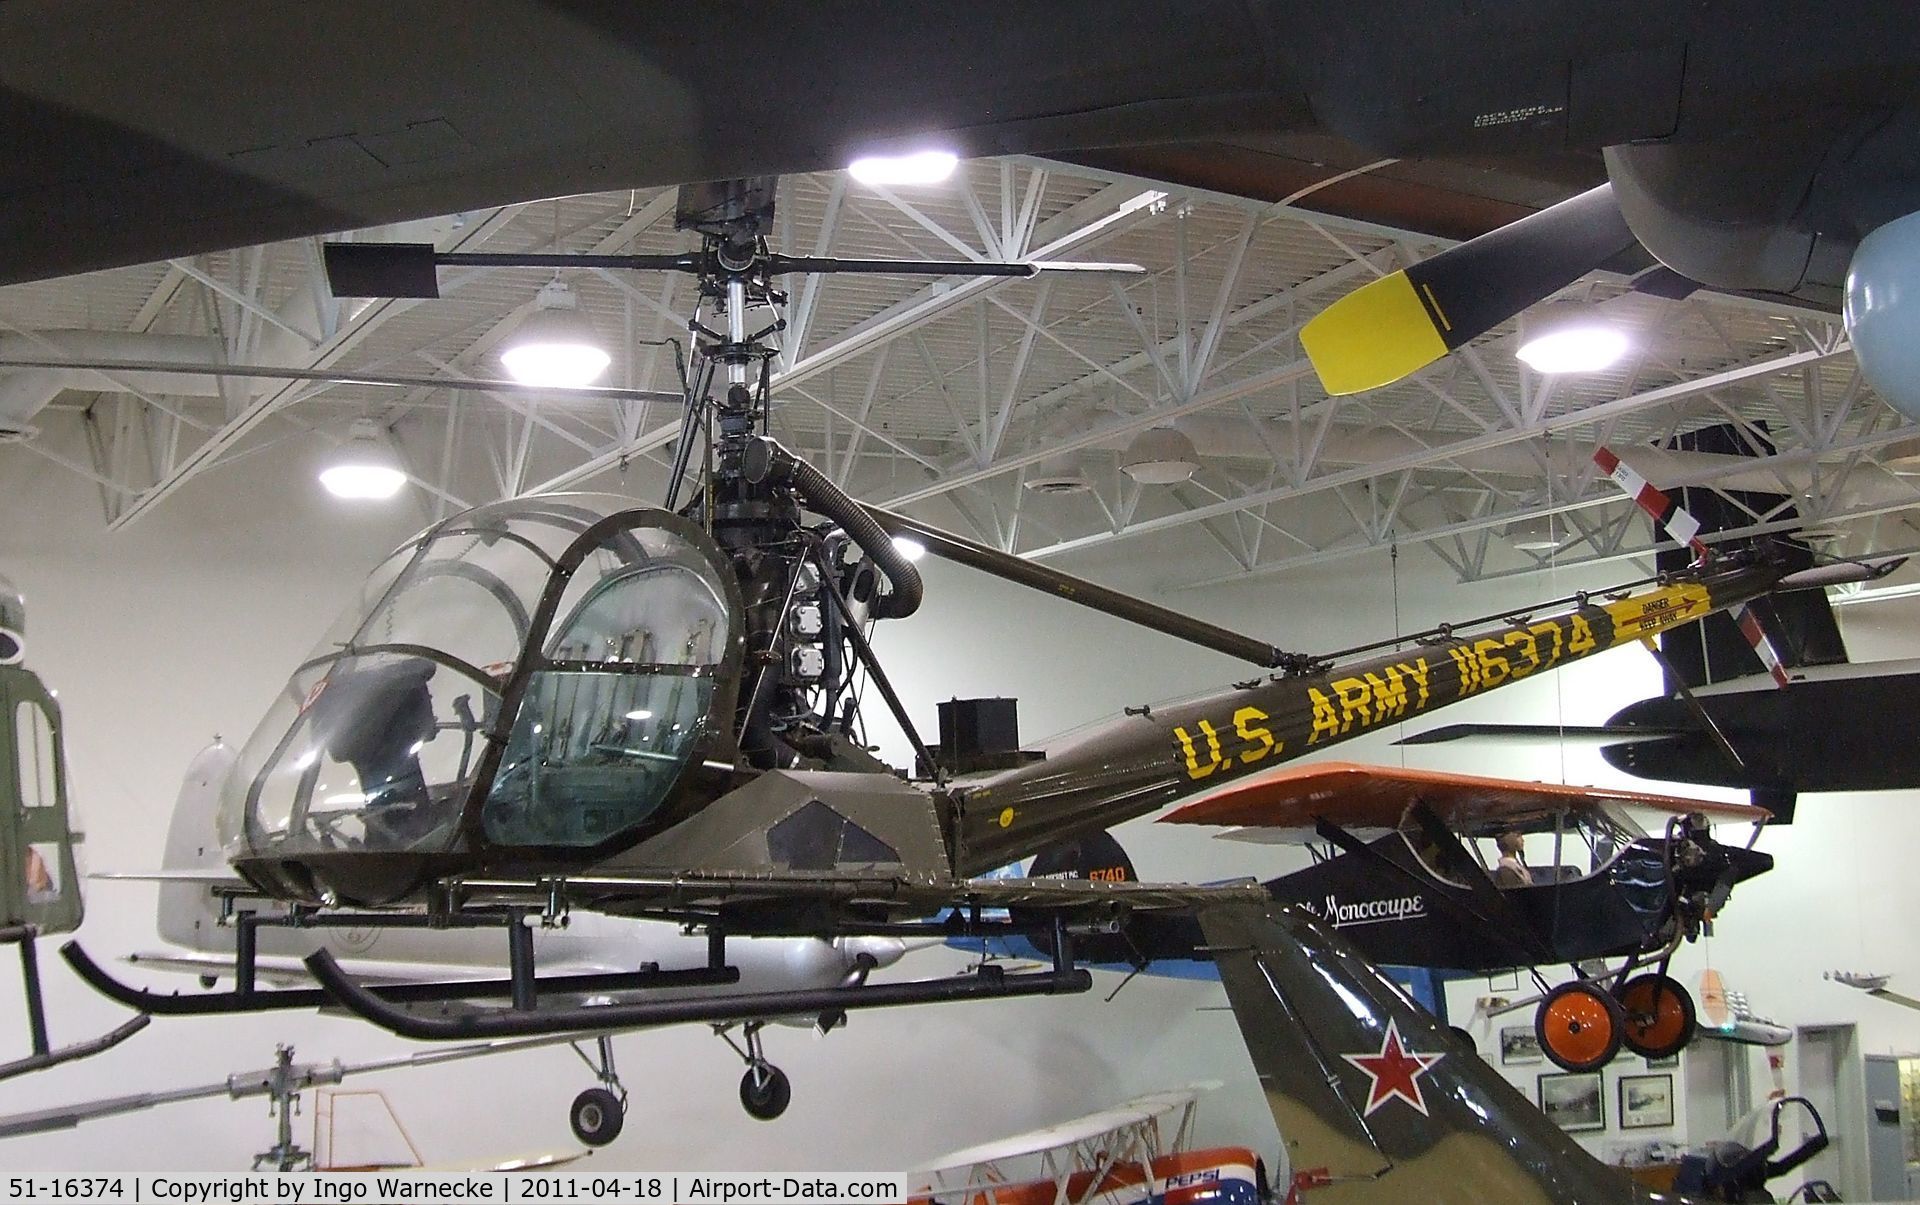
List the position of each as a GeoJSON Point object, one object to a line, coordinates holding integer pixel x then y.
{"type": "Point", "coordinates": [605, 644]}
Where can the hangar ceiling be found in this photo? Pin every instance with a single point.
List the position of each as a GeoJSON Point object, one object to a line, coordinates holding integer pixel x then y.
{"type": "Point", "coordinates": [978, 403]}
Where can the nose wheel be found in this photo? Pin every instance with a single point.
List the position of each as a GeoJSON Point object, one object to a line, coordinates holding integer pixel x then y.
{"type": "Point", "coordinates": [596, 1116]}
{"type": "Point", "coordinates": [598, 1113]}
{"type": "Point", "coordinates": [765, 1091]}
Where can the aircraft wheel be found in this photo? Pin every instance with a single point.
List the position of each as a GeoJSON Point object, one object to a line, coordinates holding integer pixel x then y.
{"type": "Point", "coordinates": [596, 1117]}
{"type": "Point", "coordinates": [765, 1092]}
{"type": "Point", "coordinates": [1659, 1016]}
{"type": "Point", "coordinates": [1579, 1026]}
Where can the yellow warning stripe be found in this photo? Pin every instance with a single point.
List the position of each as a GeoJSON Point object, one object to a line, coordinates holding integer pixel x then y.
{"type": "Point", "coordinates": [1654, 612]}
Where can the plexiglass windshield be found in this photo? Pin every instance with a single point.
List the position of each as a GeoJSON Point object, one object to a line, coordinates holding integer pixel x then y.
{"type": "Point", "coordinates": [380, 739]}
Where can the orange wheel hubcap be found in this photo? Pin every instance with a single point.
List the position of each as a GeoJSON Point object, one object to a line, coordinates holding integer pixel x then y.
{"type": "Point", "coordinates": [1655, 1016]}
{"type": "Point", "coordinates": [1578, 1028]}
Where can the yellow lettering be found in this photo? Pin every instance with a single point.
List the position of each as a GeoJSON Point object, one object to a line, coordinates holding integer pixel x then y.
{"type": "Point", "coordinates": [1389, 696]}
{"type": "Point", "coordinates": [1581, 642]}
{"type": "Point", "coordinates": [1468, 667]}
{"type": "Point", "coordinates": [1213, 745]}
{"type": "Point", "coordinates": [1354, 701]}
{"type": "Point", "coordinates": [1530, 651]}
{"type": "Point", "coordinates": [1187, 751]}
{"type": "Point", "coordinates": [1419, 671]}
{"type": "Point", "coordinates": [1493, 664]}
{"type": "Point", "coordinates": [1260, 741]}
{"type": "Point", "coordinates": [1326, 721]}
{"type": "Point", "coordinates": [1549, 628]}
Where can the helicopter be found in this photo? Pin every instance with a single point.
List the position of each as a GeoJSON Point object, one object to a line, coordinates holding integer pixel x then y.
{"type": "Point", "coordinates": [583, 702]}
{"type": "Point", "coordinates": [39, 873]}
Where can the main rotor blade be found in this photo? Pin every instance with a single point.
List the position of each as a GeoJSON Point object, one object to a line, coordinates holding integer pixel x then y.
{"type": "Point", "coordinates": [1401, 323]}
{"type": "Point", "coordinates": [937, 267]}
{"type": "Point", "coordinates": [410, 269]}
{"type": "Point", "coordinates": [269, 372]}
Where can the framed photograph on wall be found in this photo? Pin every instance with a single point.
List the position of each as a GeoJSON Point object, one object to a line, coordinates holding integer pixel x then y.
{"type": "Point", "coordinates": [1574, 1100]}
{"type": "Point", "coordinates": [1646, 1101]}
{"type": "Point", "coordinates": [1672, 1060]}
{"type": "Point", "coordinates": [1519, 1045]}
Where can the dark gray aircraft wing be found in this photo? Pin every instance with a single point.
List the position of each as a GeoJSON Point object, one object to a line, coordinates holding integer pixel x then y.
{"type": "Point", "coordinates": [139, 131]}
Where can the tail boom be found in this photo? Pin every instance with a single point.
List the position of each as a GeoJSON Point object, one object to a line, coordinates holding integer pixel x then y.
{"type": "Point", "coordinates": [1138, 763]}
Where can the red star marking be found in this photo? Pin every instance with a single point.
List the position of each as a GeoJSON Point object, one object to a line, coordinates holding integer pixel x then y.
{"type": "Point", "coordinates": [1395, 1071]}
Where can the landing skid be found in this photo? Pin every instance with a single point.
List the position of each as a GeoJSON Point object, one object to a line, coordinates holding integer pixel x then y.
{"type": "Point", "coordinates": [988, 983]}
{"type": "Point", "coordinates": [44, 1055]}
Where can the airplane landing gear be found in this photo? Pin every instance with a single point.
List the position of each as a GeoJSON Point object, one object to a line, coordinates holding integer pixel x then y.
{"type": "Point", "coordinates": [1659, 1015]}
{"type": "Point", "coordinates": [765, 1090]}
{"type": "Point", "coordinates": [1580, 1026]}
{"type": "Point", "coordinates": [598, 1113]}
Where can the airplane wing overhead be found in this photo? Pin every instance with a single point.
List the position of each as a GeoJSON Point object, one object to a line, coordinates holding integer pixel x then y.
{"type": "Point", "coordinates": [407, 111]}
{"type": "Point", "coordinates": [212, 878]}
{"type": "Point", "coordinates": [1613, 734]}
{"type": "Point", "coordinates": [1071, 1133]}
{"type": "Point", "coordinates": [1356, 796]}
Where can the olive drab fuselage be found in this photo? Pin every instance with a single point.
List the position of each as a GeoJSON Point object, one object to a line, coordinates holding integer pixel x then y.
{"type": "Point", "coordinates": [560, 687]}
{"type": "Point", "coordinates": [1135, 764]}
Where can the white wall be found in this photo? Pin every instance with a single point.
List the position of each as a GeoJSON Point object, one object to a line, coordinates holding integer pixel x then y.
{"type": "Point", "coordinates": [186, 625]}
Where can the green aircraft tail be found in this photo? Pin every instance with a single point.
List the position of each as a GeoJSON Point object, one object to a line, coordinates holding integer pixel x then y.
{"type": "Point", "coordinates": [1375, 1100]}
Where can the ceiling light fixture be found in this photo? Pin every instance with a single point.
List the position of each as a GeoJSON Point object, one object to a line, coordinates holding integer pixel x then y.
{"type": "Point", "coordinates": [365, 468]}
{"type": "Point", "coordinates": [1532, 535]}
{"type": "Point", "coordinates": [555, 347]}
{"type": "Point", "coordinates": [920, 167]}
{"type": "Point", "coordinates": [1568, 336]}
{"type": "Point", "coordinates": [1060, 473]}
{"type": "Point", "coordinates": [1160, 456]}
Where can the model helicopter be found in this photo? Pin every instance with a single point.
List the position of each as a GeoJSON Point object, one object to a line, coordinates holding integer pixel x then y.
{"type": "Point", "coordinates": [584, 702]}
{"type": "Point", "coordinates": [39, 876]}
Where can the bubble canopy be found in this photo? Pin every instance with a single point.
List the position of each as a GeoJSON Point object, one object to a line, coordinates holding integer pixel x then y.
{"type": "Point", "coordinates": [524, 681]}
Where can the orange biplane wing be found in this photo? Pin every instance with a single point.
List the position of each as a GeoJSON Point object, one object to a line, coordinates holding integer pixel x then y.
{"type": "Point", "coordinates": [1359, 797]}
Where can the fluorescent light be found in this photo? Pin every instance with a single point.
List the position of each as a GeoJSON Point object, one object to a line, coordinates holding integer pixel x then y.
{"type": "Point", "coordinates": [365, 468]}
{"type": "Point", "coordinates": [909, 547]}
{"type": "Point", "coordinates": [640, 715]}
{"type": "Point", "coordinates": [921, 167]}
{"type": "Point", "coordinates": [556, 346]}
{"type": "Point", "coordinates": [1569, 337]}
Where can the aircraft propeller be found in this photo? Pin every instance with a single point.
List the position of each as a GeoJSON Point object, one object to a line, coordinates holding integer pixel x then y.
{"type": "Point", "coordinates": [1403, 322]}
{"type": "Point", "coordinates": [1395, 326]}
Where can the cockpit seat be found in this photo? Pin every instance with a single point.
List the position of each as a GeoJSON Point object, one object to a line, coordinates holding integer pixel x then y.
{"type": "Point", "coordinates": [376, 718]}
